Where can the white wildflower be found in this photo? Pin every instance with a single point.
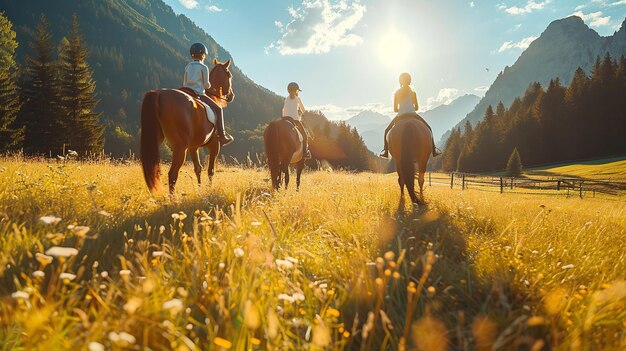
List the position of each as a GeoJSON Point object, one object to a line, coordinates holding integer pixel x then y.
{"type": "Point", "coordinates": [173, 305]}
{"type": "Point", "coordinates": [39, 274]}
{"type": "Point", "coordinates": [59, 251]}
{"type": "Point", "coordinates": [238, 252]}
{"type": "Point", "coordinates": [284, 264]}
{"type": "Point", "coordinates": [568, 266]}
{"type": "Point", "coordinates": [125, 273]}
{"type": "Point", "coordinates": [95, 346]}
{"type": "Point", "coordinates": [255, 223]}
{"type": "Point", "coordinates": [291, 259]}
{"type": "Point", "coordinates": [20, 295]}
{"type": "Point", "coordinates": [298, 296]}
{"type": "Point", "coordinates": [68, 276]}
{"type": "Point", "coordinates": [157, 253]}
{"type": "Point", "coordinates": [49, 219]}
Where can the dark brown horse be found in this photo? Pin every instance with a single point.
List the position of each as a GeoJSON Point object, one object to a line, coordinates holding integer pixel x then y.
{"type": "Point", "coordinates": [410, 142]}
{"type": "Point", "coordinates": [283, 146]}
{"type": "Point", "coordinates": [181, 120]}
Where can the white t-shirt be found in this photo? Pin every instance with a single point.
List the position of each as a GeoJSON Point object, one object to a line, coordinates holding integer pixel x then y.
{"type": "Point", "coordinates": [290, 109]}
{"type": "Point", "coordinates": [197, 77]}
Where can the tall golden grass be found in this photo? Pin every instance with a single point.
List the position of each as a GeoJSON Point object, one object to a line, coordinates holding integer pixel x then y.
{"type": "Point", "coordinates": [89, 260]}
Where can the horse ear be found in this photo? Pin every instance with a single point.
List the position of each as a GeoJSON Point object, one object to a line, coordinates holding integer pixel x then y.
{"type": "Point", "coordinates": [215, 61]}
{"type": "Point", "coordinates": [227, 63]}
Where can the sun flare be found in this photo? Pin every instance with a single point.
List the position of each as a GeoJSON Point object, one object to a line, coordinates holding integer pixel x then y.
{"type": "Point", "coordinates": [394, 48]}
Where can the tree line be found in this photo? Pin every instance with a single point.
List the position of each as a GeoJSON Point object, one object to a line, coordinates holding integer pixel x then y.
{"type": "Point", "coordinates": [48, 105]}
{"type": "Point", "coordinates": [585, 120]}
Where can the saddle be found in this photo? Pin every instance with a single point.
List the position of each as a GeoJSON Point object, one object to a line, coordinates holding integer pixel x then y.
{"type": "Point", "coordinates": [210, 114]}
{"type": "Point", "coordinates": [297, 156]}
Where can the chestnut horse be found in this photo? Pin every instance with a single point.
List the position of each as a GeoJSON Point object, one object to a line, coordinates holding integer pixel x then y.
{"type": "Point", "coordinates": [172, 115]}
{"type": "Point", "coordinates": [283, 146]}
{"type": "Point", "coordinates": [410, 142]}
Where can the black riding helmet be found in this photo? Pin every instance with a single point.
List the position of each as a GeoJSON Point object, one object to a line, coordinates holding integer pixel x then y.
{"type": "Point", "coordinates": [293, 86]}
{"type": "Point", "coordinates": [197, 49]}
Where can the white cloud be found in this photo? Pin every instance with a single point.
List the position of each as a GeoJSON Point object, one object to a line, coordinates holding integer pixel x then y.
{"type": "Point", "coordinates": [617, 3]}
{"type": "Point", "coordinates": [580, 7]}
{"type": "Point", "coordinates": [595, 19]}
{"type": "Point", "coordinates": [481, 89]}
{"type": "Point", "coordinates": [213, 8]}
{"type": "Point", "coordinates": [190, 4]}
{"type": "Point", "coordinates": [528, 8]}
{"type": "Point", "coordinates": [522, 44]}
{"type": "Point", "coordinates": [338, 113]}
{"type": "Point", "coordinates": [317, 26]}
{"type": "Point", "coordinates": [472, 4]}
{"type": "Point", "coordinates": [444, 97]}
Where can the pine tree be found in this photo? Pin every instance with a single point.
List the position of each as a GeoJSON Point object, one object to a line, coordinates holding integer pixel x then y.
{"type": "Point", "coordinates": [11, 136]}
{"type": "Point", "coordinates": [452, 151]}
{"type": "Point", "coordinates": [514, 165]}
{"type": "Point", "coordinates": [78, 98]}
{"type": "Point", "coordinates": [40, 109]}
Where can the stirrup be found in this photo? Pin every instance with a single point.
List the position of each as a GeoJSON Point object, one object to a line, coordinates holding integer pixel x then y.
{"type": "Point", "coordinates": [307, 154]}
{"type": "Point", "coordinates": [226, 139]}
{"type": "Point", "coordinates": [436, 152]}
{"type": "Point", "coordinates": [384, 154]}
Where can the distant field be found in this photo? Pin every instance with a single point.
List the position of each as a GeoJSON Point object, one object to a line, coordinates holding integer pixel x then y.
{"type": "Point", "coordinates": [604, 169]}
{"type": "Point", "coordinates": [342, 264]}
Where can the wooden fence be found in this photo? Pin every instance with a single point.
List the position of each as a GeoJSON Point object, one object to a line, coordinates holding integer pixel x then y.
{"type": "Point", "coordinates": [580, 187]}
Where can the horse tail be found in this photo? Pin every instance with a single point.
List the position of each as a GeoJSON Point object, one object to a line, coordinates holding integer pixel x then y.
{"type": "Point", "coordinates": [272, 152]}
{"type": "Point", "coordinates": [406, 163]}
{"type": "Point", "coordinates": [151, 140]}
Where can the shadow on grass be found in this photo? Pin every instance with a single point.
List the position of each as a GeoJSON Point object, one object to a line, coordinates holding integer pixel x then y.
{"type": "Point", "coordinates": [112, 243]}
{"type": "Point", "coordinates": [453, 291]}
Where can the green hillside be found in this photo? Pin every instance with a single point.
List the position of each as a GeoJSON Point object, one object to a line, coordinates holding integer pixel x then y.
{"type": "Point", "coordinates": [137, 45]}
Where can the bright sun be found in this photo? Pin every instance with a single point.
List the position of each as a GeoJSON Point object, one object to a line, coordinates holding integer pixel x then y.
{"type": "Point", "coordinates": [394, 49]}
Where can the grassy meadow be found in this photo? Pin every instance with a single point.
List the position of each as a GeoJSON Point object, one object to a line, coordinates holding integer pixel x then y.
{"type": "Point", "coordinates": [610, 168]}
{"type": "Point", "coordinates": [89, 260]}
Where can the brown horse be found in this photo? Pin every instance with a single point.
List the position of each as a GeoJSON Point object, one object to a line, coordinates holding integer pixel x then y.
{"type": "Point", "coordinates": [410, 142]}
{"type": "Point", "coordinates": [283, 146]}
{"type": "Point", "coordinates": [177, 117]}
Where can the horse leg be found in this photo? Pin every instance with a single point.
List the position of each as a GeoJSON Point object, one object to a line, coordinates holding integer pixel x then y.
{"type": "Point", "coordinates": [286, 171]}
{"type": "Point", "coordinates": [214, 149]}
{"type": "Point", "coordinates": [178, 158]}
{"type": "Point", "coordinates": [299, 168]}
{"type": "Point", "coordinates": [197, 167]}
{"type": "Point", "coordinates": [421, 171]}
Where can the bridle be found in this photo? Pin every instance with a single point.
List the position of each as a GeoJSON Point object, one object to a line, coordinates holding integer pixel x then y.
{"type": "Point", "coordinates": [212, 89]}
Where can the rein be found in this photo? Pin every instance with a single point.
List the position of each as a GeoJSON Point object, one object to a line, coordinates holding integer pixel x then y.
{"type": "Point", "coordinates": [216, 95]}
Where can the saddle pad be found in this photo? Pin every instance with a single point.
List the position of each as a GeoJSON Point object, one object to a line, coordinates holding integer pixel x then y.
{"type": "Point", "coordinates": [194, 96]}
{"type": "Point", "coordinates": [297, 156]}
{"type": "Point", "coordinates": [210, 115]}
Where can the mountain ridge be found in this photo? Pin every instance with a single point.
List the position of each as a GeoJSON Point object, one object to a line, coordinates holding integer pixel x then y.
{"type": "Point", "coordinates": [135, 46]}
{"type": "Point", "coordinates": [371, 125]}
{"type": "Point", "coordinates": [562, 47]}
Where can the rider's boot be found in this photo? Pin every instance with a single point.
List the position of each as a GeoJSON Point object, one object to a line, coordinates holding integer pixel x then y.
{"type": "Point", "coordinates": [436, 151]}
{"type": "Point", "coordinates": [224, 137]}
{"type": "Point", "coordinates": [385, 152]}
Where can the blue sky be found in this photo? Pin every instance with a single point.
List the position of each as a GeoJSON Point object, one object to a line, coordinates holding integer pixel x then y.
{"type": "Point", "coordinates": [347, 54]}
